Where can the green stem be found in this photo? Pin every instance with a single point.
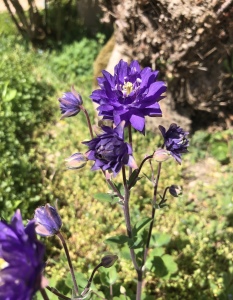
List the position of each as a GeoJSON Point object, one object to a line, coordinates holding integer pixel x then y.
{"type": "Point", "coordinates": [60, 236]}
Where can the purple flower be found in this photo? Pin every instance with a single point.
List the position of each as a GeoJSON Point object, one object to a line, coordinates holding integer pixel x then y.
{"type": "Point", "coordinates": [21, 277]}
{"type": "Point", "coordinates": [175, 140]}
{"type": "Point", "coordinates": [109, 151]}
{"type": "Point", "coordinates": [129, 95]}
{"type": "Point", "coordinates": [70, 104]}
{"type": "Point", "coordinates": [48, 222]}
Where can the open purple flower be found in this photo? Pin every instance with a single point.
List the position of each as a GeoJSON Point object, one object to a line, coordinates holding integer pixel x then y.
{"type": "Point", "coordinates": [48, 221]}
{"type": "Point", "coordinates": [21, 277]}
{"type": "Point", "coordinates": [70, 104]}
{"type": "Point", "coordinates": [109, 151]}
{"type": "Point", "coordinates": [175, 140]}
{"type": "Point", "coordinates": [129, 95]}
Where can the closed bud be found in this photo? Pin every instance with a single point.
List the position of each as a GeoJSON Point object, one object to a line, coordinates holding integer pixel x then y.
{"type": "Point", "coordinates": [108, 260]}
{"type": "Point", "coordinates": [76, 161]}
{"type": "Point", "coordinates": [175, 190]}
{"type": "Point", "coordinates": [161, 155]}
{"type": "Point", "coordinates": [47, 220]}
{"type": "Point", "coordinates": [70, 104]}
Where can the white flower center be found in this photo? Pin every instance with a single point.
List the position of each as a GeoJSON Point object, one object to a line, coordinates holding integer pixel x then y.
{"type": "Point", "coordinates": [127, 88]}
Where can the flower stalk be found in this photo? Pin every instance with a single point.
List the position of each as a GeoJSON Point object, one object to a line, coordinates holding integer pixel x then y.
{"type": "Point", "coordinates": [60, 236]}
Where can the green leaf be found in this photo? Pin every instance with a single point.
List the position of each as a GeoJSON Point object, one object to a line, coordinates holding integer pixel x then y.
{"type": "Point", "coordinates": [103, 197]}
{"type": "Point", "coordinates": [170, 264]}
{"type": "Point", "coordinates": [158, 267]}
{"type": "Point", "coordinates": [81, 280]}
{"type": "Point", "coordinates": [118, 239]}
{"type": "Point", "coordinates": [133, 178]}
{"type": "Point", "coordinates": [160, 239]}
{"type": "Point", "coordinates": [157, 252]}
{"type": "Point", "coordinates": [141, 225]}
{"type": "Point", "coordinates": [108, 276]}
{"type": "Point", "coordinates": [135, 243]}
{"type": "Point", "coordinates": [10, 95]}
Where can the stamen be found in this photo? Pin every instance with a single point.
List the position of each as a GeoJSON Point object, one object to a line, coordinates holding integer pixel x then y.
{"type": "Point", "coordinates": [127, 88]}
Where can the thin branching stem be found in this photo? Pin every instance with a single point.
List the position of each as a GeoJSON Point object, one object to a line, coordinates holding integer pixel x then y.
{"type": "Point", "coordinates": [115, 189]}
{"type": "Point", "coordinates": [44, 294]}
{"type": "Point", "coordinates": [87, 287]}
{"type": "Point", "coordinates": [88, 121]}
{"type": "Point", "coordinates": [152, 213]}
{"type": "Point", "coordinates": [140, 167]}
{"type": "Point", "coordinates": [55, 292]}
{"type": "Point", "coordinates": [60, 236]}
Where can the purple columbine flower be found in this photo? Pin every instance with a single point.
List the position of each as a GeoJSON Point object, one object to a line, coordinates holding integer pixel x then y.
{"type": "Point", "coordinates": [129, 95]}
{"type": "Point", "coordinates": [175, 140]}
{"type": "Point", "coordinates": [48, 222]}
{"type": "Point", "coordinates": [21, 277]}
{"type": "Point", "coordinates": [70, 104]}
{"type": "Point", "coordinates": [109, 151]}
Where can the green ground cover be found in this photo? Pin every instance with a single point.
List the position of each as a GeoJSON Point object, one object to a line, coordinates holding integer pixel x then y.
{"type": "Point", "coordinates": [193, 236]}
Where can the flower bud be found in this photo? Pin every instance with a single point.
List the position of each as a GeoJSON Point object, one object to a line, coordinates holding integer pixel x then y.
{"type": "Point", "coordinates": [47, 220]}
{"type": "Point", "coordinates": [175, 190]}
{"type": "Point", "coordinates": [161, 155]}
{"type": "Point", "coordinates": [108, 260]}
{"type": "Point", "coordinates": [70, 104]}
{"type": "Point", "coordinates": [76, 161]}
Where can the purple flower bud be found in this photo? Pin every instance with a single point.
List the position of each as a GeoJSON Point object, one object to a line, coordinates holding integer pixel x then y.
{"type": "Point", "coordinates": [48, 222]}
{"type": "Point", "coordinates": [70, 104]}
{"type": "Point", "coordinates": [175, 190]}
{"type": "Point", "coordinates": [175, 141]}
{"type": "Point", "coordinates": [76, 161]}
{"type": "Point", "coordinates": [161, 155]}
{"type": "Point", "coordinates": [108, 260]}
{"type": "Point", "coordinates": [21, 275]}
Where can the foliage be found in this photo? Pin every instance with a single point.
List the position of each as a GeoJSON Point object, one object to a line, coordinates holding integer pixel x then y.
{"type": "Point", "coordinates": [24, 106]}
{"type": "Point", "coordinates": [75, 61]}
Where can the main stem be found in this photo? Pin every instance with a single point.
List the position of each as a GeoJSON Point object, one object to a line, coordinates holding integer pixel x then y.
{"type": "Point", "coordinates": [127, 217]}
{"type": "Point", "coordinates": [131, 144]}
{"type": "Point", "coordinates": [69, 261]}
{"type": "Point", "coordinates": [140, 271]}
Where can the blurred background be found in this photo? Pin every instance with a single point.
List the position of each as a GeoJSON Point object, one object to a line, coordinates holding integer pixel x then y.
{"type": "Point", "coordinates": [47, 46]}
